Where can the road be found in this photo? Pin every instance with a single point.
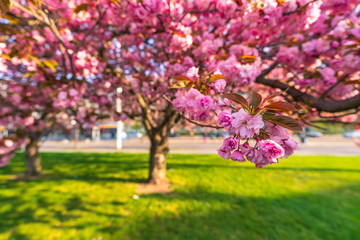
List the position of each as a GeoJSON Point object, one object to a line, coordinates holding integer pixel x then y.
{"type": "Point", "coordinates": [327, 145]}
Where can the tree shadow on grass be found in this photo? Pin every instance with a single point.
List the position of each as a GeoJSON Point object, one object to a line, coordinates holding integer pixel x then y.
{"type": "Point", "coordinates": [209, 215]}
{"type": "Point", "coordinates": [203, 214]}
{"type": "Point", "coordinates": [84, 167]}
{"type": "Point", "coordinates": [23, 209]}
{"type": "Point", "coordinates": [268, 168]}
{"type": "Point", "coordinates": [41, 200]}
{"type": "Point", "coordinates": [196, 213]}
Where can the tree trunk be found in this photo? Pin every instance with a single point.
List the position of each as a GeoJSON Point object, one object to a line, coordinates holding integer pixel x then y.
{"type": "Point", "coordinates": [76, 135]}
{"type": "Point", "coordinates": [159, 139]}
{"type": "Point", "coordinates": [158, 151]}
{"type": "Point", "coordinates": [32, 154]}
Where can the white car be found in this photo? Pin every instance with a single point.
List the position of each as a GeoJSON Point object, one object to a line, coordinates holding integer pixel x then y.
{"type": "Point", "coordinates": [353, 134]}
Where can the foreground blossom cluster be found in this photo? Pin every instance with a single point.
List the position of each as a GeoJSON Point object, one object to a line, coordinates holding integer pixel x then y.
{"type": "Point", "coordinates": [258, 127]}
{"type": "Point", "coordinates": [247, 142]}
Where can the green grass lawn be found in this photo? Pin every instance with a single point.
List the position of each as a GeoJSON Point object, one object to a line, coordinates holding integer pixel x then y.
{"type": "Point", "coordinates": [90, 196]}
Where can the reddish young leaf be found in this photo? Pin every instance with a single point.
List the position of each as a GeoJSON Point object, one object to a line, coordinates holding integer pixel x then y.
{"type": "Point", "coordinates": [182, 78]}
{"type": "Point", "coordinates": [280, 106]}
{"type": "Point", "coordinates": [255, 100]}
{"type": "Point", "coordinates": [286, 122]}
{"type": "Point", "coordinates": [274, 95]}
{"type": "Point", "coordinates": [238, 99]}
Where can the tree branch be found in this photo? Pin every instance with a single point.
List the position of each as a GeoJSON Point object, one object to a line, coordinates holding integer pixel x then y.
{"type": "Point", "coordinates": [299, 8]}
{"type": "Point", "coordinates": [333, 86]}
{"type": "Point", "coordinates": [200, 124]}
{"type": "Point", "coordinates": [89, 32]}
{"type": "Point", "coordinates": [322, 105]}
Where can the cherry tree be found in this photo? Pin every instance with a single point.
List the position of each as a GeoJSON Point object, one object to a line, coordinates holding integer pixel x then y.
{"type": "Point", "coordinates": [196, 60]}
{"type": "Point", "coordinates": [47, 75]}
{"type": "Point", "coordinates": [306, 49]}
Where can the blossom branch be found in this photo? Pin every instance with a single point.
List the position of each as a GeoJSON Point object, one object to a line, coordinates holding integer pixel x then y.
{"type": "Point", "coordinates": [299, 8]}
{"type": "Point", "coordinates": [331, 106]}
{"type": "Point", "coordinates": [90, 31]}
{"type": "Point", "coordinates": [200, 124]}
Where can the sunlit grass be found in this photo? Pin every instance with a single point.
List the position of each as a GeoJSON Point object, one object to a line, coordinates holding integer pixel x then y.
{"type": "Point", "coordinates": [90, 196]}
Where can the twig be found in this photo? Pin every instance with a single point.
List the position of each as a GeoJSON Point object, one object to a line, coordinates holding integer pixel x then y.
{"type": "Point", "coordinates": [191, 121]}
{"type": "Point", "coordinates": [298, 9]}
{"type": "Point", "coordinates": [89, 32]}
{"type": "Point", "coordinates": [333, 86]}
{"type": "Point", "coordinates": [341, 115]}
{"type": "Point", "coordinates": [200, 124]}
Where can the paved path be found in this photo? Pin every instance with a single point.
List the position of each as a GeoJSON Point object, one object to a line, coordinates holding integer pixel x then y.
{"type": "Point", "coordinates": [327, 145]}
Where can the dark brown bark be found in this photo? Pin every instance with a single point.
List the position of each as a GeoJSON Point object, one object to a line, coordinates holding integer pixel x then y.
{"type": "Point", "coordinates": [33, 162]}
{"type": "Point", "coordinates": [158, 150]}
{"type": "Point", "coordinates": [76, 135]}
{"type": "Point", "coordinates": [320, 104]}
{"type": "Point", "coordinates": [159, 139]}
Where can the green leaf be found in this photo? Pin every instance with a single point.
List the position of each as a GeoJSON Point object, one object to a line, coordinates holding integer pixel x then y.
{"type": "Point", "coordinates": [181, 84]}
{"type": "Point", "coordinates": [11, 19]}
{"type": "Point", "coordinates": [7, 57]}
{"type": "Point", "coordinates": [50, 64]}
{"type": "Point", "coordinates": [255, 100]}
{"type": "Point", "coordinates": [238, 99]}
{"type": "Point", "coordinates": [280, 106]}
{"type": "Point", "coordinates": [268, 115]}
{"type": "Point", "coordinates": [215, 77]}
{"type": "Point", "coordinates": [286, 122]}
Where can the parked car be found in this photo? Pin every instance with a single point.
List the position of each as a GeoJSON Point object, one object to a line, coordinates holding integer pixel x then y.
{"type": "Point", "coordinates": [134, 134]}
{"type": "Point", "coordinates": [313, 133]}
{"type": "Point", "coordinates": [352, 134]}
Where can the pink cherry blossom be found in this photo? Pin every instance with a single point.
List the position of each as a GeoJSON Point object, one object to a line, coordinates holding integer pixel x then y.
{"type": "Point", "coordinates": [29, 121]}
{"type": "Point", "coordinates": [237, 156]}
{"type": "Point", "coordinates": [8, 143]}
{"type": "Point", "coordinates": [231, 143]}
{"type": "Point", "coordinates": [219, 85]}
{"type": "Point", "coordinates": [225, 119]}
{"type": "Point", "coordinates": [329, 75]}
{"type": "Point", "coordinates": [271, 149]}
{"type": "Point", "coordinates": [224, 152]}
{"type": "Point", "coordinates": [245, 125]}
{"type": "Point", "coordinates": [252, 154]}
{"type": "Point", "coordinates": [205, 103]}
{"type": "Point", "coordinates": [289, 146]}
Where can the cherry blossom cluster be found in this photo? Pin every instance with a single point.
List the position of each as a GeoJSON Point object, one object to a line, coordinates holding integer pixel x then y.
{"type": "Point", "coordinates": [8, 146]}
{"type": "Point", "coordinates": [258, 126]}
{"type": "Point", "coordinates": [196, 105]}
{"type": "Point", "coordinates": [248, 143]}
